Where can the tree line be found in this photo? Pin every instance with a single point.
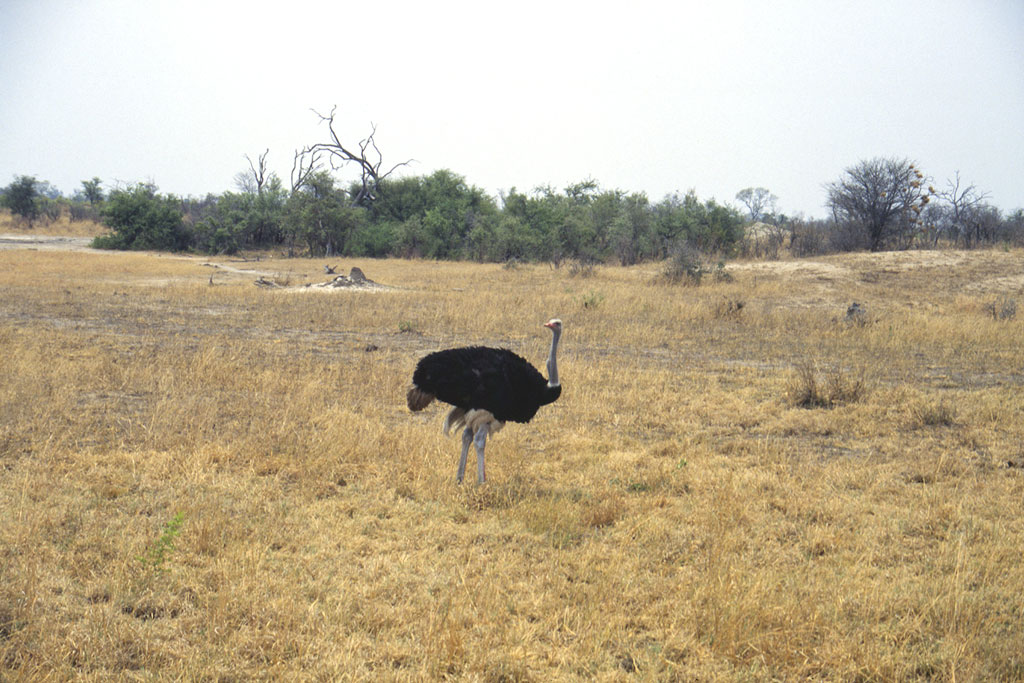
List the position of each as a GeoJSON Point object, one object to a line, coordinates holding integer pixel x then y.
{"type": "Point", "coordinates": [436, 216]}
{"type": "Point", "coordinates": [881, 203]}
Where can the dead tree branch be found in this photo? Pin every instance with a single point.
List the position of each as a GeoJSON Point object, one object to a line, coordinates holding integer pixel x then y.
{"type": "Point", "coordinates": [259, 170]}
{"type": "Point", "coordinates": [304, 165]}
{"type": "Point", "coordinates": [368, 158]}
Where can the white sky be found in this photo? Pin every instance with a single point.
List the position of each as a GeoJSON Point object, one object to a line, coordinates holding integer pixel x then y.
{"type": "Point", "coordinates": [643, 96]}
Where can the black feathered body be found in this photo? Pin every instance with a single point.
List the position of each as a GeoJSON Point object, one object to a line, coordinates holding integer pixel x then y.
{"type": "Point", "coordinates": [483, 378]}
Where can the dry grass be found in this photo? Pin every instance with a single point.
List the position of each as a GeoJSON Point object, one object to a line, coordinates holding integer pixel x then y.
{"type": "Point", "coordinates": [674, 516]}
{"type": "Point", "coordinates": [63, 226]}
{"type": "Point", "coordinates": [809, 388]}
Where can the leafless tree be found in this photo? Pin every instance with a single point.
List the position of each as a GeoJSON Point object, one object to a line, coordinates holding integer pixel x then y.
{"type": "Point", "coordinates": [965, 215]}
{"type": "Point", "coordinates": [304, 165]}
{"type": "Point", "coordinates": [366, 155]}
{"type": "Point", "coordinates": [253, 181]}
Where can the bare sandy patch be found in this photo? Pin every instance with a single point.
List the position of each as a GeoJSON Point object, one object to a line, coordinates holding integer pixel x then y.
{"type": "Point", "coordinates": [47, 242]}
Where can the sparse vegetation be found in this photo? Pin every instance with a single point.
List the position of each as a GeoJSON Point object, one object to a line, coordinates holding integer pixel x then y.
{"type": "Point", "coordinates": [934, 413]}
{"type": "Point", "coordinates": [674, 516]}
{"type": "Point", "coordinates": [1003, 308]}
{"type": "Point", "coordinates": [591, 299]}
{"type": "Point", "coordinates": [685, 266]}
{"type": "Point", "coordinates": [809, 388]}
{"type": "Point", "coordinates": [579, 268]}
{"type": "Point", "coordinates": [160, 550]}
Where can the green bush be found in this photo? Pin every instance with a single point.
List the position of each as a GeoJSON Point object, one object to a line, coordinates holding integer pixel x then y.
{"type": "Point", "coordinates": [23, 198]}
{"type": "Point", "coordinates": [142, 219]}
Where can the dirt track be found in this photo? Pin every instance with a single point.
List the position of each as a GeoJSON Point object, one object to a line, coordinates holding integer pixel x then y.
{"type": "Point", "coordinates": [49, 242]}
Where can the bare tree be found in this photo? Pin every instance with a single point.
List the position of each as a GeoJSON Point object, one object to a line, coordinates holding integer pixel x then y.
{"type": "Point", "coordinates": [304, 166]}
{"type": "Point", "coordinates": [368, 158]}
{"type": "Point", "coordinates": [880, 199]}
{"type": "Point", "coordinates": [965, 204]}
{"type": "Point", "coordinates": [253, 181]}
{"type": "Point", "coordinates": [756, 199]}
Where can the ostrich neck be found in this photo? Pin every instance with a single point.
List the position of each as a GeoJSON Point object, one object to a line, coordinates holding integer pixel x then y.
{"type": "Point", "coordinates": [552, 362]}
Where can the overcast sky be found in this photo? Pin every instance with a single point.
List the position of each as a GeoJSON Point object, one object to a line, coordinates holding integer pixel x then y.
{"type": "Point", "coordinates": [651, 97]}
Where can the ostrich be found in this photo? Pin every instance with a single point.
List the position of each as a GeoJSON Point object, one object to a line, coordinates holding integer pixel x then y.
{"type": "Point", "coordinates": [487, 387]}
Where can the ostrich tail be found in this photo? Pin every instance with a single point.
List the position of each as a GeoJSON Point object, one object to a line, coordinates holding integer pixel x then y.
{"type": "Point", "coordinates": [418, 399]}
{"type": "Point", "coordinates": [456, 418]}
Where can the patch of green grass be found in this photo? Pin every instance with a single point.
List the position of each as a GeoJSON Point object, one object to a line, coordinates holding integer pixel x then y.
{"type": "Point", "coordinates": [159, 551]}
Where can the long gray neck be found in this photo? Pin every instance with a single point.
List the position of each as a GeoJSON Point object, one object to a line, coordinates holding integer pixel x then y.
{"type": "Point", "coordinates": [552, 362]}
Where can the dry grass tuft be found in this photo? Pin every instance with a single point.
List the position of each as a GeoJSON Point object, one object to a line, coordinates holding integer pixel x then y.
{"type": "Point", "coordinates": [933, 413]}
{"type": "Point", "coordinates": [809, 388]}
{"type": "Point", "coordinates": [223, 482]}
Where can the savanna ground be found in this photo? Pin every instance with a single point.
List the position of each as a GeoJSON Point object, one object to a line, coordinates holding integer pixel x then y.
{"type": "Point", "coordinates": [203, 479]}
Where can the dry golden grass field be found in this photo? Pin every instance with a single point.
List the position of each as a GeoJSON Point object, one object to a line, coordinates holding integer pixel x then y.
{"type": "Point", "coordinates": [203, 479]}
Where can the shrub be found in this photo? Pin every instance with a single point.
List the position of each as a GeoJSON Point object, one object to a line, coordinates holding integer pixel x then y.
{"type": "Point", "coordinates": [807, 390]}
{"type": "Point", "coordinates": [581, 268]}
{"type": "Point", "coordinates": [808, 239]}
{"type": "Point", "coordinates": [23, 198]}
{"type": "Point", "coordinates": [728, 308]}
{"type": "Point", "coordinates": [720, 273]}
{"type": "Point", "coordinates": [142, 219]}
{"type": "Point", "coordinates": [159, 551]}
{"type": "Point", "coordinates": [80, 211]}
{"type": "Point", "coordinates": [684, 266]}
{"type": "Point", "coordinates": [1003, 308]}
{"type": "Point", "coordinates": [933, 414]}
{"type": "Point", "coordinates": [591, 299]}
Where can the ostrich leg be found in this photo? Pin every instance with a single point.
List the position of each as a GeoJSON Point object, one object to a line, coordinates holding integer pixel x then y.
{"type": "Point", "coordinates": [467, 437]}
{"type": "Point", "coordinates": [480, 441]}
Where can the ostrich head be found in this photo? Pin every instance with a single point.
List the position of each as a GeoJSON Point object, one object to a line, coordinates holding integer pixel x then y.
{"type": "Point", "coordinates": [555, 325]}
